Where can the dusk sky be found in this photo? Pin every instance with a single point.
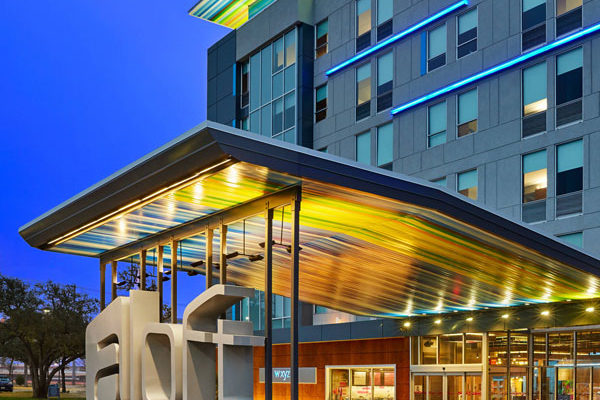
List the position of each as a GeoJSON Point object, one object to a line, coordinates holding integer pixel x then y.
{"type": "Point", "coordinates": [88, 87]}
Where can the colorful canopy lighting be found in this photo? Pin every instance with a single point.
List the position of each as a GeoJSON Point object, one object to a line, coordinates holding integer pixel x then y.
{"type": "Point", "coordinates": [229, 13]}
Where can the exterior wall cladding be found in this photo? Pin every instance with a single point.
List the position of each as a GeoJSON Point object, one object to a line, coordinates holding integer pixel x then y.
{"type": "Point", "coordinates": [495, 150]}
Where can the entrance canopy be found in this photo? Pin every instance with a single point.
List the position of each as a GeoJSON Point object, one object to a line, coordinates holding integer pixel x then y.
{"type": "Point", "coordinates": [372, 242]}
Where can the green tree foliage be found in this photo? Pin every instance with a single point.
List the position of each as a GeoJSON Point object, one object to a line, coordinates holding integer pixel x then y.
{"type": "Point", "coordinates": [47, 323]}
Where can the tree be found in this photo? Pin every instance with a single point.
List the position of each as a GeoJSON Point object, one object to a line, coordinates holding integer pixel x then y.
{"type": "Point", "coordinates": [48, 321]}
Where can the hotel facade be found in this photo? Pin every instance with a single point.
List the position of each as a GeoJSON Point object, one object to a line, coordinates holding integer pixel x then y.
{"type": "Point", "coordinates": [415, 185]}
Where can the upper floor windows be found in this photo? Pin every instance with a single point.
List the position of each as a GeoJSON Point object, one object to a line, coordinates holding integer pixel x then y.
{"type": "Point", "coordinates": [569, 87]}
{"type": "Point", "coordinates": [436, 48]}
{"type": "Point", "coordinates": [385, 12]}
{"type": "Point", "coordinates": [363, 148]}
{"type": "Point", "coordinates": [467, 33]}
{"type": "Point", "coordinates": [363, 24]}
{"type": "Point", "coordinates": [467, 113]}
{"type": "Point", "coordinates": [322, 39]}
{"type": "Point", "coordinates": [575, 239]}
{"type": "Point", "coordinates": [441, 181]}
{"type": "Point", "coordinates": [363, 91]}
{"type": "Point", "coordinates": [436, 126]}
{"type": "Point", "coordinates": [321, 103]}
{"type": "Point", "coordinates": [385, 146]}
{"type": "Point", "coordinates": [569, 178]}
{"type": "Point", "coordinates": [385, 79]}
{"type": "Point", "coordinates": [245, 85]}
{"type": "Point", "coordinates": [467, 184]}
{"type": "Point", "coordinates": [568, 16]}
{"type": "Point", "coordinates": [535, 185]}
{"type": "Point", "coordinates": [533, 22]}
{"type": "Point", "coordinates": [535, 102]}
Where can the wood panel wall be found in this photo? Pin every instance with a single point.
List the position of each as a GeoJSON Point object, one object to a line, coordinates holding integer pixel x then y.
{"type": "Point", "coordinates": [352, 352]}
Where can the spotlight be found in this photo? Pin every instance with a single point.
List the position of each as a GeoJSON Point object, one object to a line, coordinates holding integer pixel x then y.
{"type": "Point", "coordinates": [545, 313]}
{"type": "Point", "coordinates": [590, 309]}
{"type": "Point", "coordinates": [197, 263]}
{"type": "Point", "coordinates": [192, 273]}
{"type": "Point", "coordinates": [505, 316]}
{"type": "Point", "coordinates": [437, 321]}
{"type": "Point", "coordinates": [469, 319]}
{"type": "Point", "coordinates": [407, 324]}
{"type": "Point", "coordinates": [262, 244]}
{"type": "Point", "coordinates": [232, 255]}
{"type": "Point", "coordinates": [166, 279]}
{"type": "Point", "coordinates": [255, 257]}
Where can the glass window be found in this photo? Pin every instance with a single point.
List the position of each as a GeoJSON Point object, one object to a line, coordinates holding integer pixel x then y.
{"type": "Point", "coordinates": [321, 103]}
{"type": "Point", "coordinates": [467, 184]}
{"type": "Point", "coordinates": [245, 85]}
{"type": "Point", "coordinates": [473, 348]}
{"type": "Point", "coordinates": [266, 75]}
{"type": "Point", "coordinates": [569, 87]}
{"type": "Point", "coordinates": [277, 85]}
{"type": "Point", "coordinates": [290, 111]}
{"type": "Point", "coordinates": [278, 56]}
{"type": "Point", "coordinates": [535, 101]}
{"type": "Point", "coordinates": [385, 78]}
{"type": "Point", "coordinates": [467, 33]}
{"type": "Point", "coordinates": [568, 16]}
{"type": "Point", "coordinates": [290, 48]}
{"type": "Point", "coordinates": [575, 239]}
{"type": "Point", "coordinates": [266, 120]}
{"type": "Point", "coordinates": [339, 382]}
{"type": "Point", "coordinates": [436, 48]}
{"type": "Point", "coordinates": [498, 349]}
{"type": "Point", "coordinates": [419, 383]}
{"type": "Point", "coordinates": [454, 388]}
{"type": "Point", "coordinates": [385, 145]}
{"type": "Point", "coordinates": [560, 348]}
{"type": "Point", "coordinates": [277, 116]}
{"type": "Point", "coordinates": [254, 83]}
{"type": "Point", "coordinates": [321, 310]}
{"type": "Point", "coordinates": [441, 181]}
{"type": "Point", "coordinates": [539, 349]}
{"type": "Point", "coordinates": [363, 13]}
{"type": "Point", "coordinates": [437, 124]}
{"type": "Point", "coordinates": [363, 84]}
{"type": "Point", "coordinates": [451, 347]}
{"type": "Point", "coordinates": [533, 23]}
{"type": "Point", "coordinates": [535, 176]}
{"type": "Point", "coordinates": [244, 124]}
{"type": "Point", "coordinates": [588, 348]}
{"type": "Point", "coordinates": [361, 383]}
{"type": "Point", "coordinates": [290, 78]}
{"type": "Point", "coordinates": [322, 39]}
{"type": "Point", "coordinates": [519, 349]}
{"type": "Point", "coordinates": [428, 350]}
{"type": "Point", "coordinates": [255, 122]}
{"type": "Point", "coordinates": [363, 148]}
{"type": "Point", "coordinates": [385, 10]}
{"type": "Point", "coordinates": [569, 177]}
{"type": "Point", "coordinates": [467, 113]}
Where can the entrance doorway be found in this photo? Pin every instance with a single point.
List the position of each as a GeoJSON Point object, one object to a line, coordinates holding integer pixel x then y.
{"type": "Point", "coordinates": [447, 386]}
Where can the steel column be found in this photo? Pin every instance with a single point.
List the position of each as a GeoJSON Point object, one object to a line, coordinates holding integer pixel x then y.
{"type": "Point", "coordinates": [143, 270]}
{"type": "Point", "coordinates": [174, 245]}
{"type": "Point", "coordinates": [295, 228]}
{"type": "Point", "coordinates": [222, 255]}
{"type": "Point", "coordinates": [268, 303]}
{"type": "Point", "coordinates": [159, 279]}
{"type": "Point", "coordinates": [209, 257]}
{"type": "Point", "coordinates": [102, 286]}
{"type": "Point", "coordinates": [113, 285]}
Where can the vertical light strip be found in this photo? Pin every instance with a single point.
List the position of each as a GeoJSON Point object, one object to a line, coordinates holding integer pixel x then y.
{"type": "Point", "coordinates": [498, 68]}
{"type": "Point", "coordinates": [397, 36]}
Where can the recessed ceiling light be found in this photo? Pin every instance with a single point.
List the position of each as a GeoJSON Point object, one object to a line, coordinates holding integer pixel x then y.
{"type": "Point", "coordinates": [470, 319]}
{"type": "Point", "coordinates": [437, 321]}
{"type": "Point", "coordinates": [545, 313]}
{"type": "Point", "coordinates": [505, 316]}
{"type": "Point", "coordinates": [407, 324]}
{"type": "Point", "coordinates": [590, 309]}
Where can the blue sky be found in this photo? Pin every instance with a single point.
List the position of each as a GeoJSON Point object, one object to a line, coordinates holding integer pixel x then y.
{"type": "Point", "coordinates": [88, 87]}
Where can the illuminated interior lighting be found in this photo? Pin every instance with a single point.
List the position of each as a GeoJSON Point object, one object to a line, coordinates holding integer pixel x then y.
{"type": "Point", "coordinates": [500, 67]}
{"type": "Point", "coordinates": [505, 316]}
{"type": "Point", "coordinates": [545, 313]}
{"type": "Point", "coordinates": [407, 324]}
{"type": "Point", "coordinates": [437, 321]}
{"type": "Point", "coordinates": [133, 205]}
{"type": "Point", "coordinates": [469, 319]}
{"type": "Point", "coordinates": [590, 309]}
{"type": "Point", "coordinates": [397, 37]}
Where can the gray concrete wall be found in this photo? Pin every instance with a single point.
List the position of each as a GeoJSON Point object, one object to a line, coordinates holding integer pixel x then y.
{"type": "Point", "coordinates": [220, 98]}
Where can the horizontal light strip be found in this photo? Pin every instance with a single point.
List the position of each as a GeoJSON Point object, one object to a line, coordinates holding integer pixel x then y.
{"type": "Point", "coordinates": [501, 67]}
{"type": "Point", "coordinates": [397, 37]}
{"type": "Point", "coordinates": [134, 205]}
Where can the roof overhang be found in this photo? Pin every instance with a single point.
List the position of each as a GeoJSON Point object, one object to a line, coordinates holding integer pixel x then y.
{"type": "Point", "coordinates": [373, 242]}
{"type": "Point", "coordinates": [229, 13]}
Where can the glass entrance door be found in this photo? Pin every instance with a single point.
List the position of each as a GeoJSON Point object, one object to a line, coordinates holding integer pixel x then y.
{"type": "Point", "coordinates": [450, 386]}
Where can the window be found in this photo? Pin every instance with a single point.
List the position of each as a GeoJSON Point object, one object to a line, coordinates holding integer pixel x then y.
{"type": "Point", "coordinates": [535, 102]}
{"type": "Point", "coordinates": [385, 79]}
{"type": "Point", "coordinates": [467, 113]}
{"type": "Point", "coordinates": [245, 85]}
{"type": "Point", "coordinates": [533, 22]}
{"type": "Point", "coordinates": [569, 87]}
{"type": "Point", "coordinates": [363, 24]}
{"type": "Point", "coordinates": [575, 239]}
{"type": "Point", "coordinates": [321, 310]}
{"type": "Point", "coordinates": [441, 181]}
{"type": "Point", "coordinates": [281, 312]}
{"type": "Point", "coordinates": [436, 48]}
{"type": "Point", "coordinates": [436, 134]}
{"type": "Point", "coordinates": [363, 91]}
{"type": "Point", "coordinates": [321, 103]}
{"type": "Point", "coordinates": [535, 184]}
{"type": "Point", "coordinates": [568, 16]}
{"type": "Point", "coordinates": [467, 184]}
{"type": "Point", "coordinates": [363, 148]}
{"type": "Point", "coordinates": [322, 40]}
{"type": "Point", "coordinates": [569, 178]}
{"type": "Point", "coordinates": [244, 124]}
{"type": "Point", "coordinates": [385, 146]}
{"type": "Point", "coordinates": [467, 33]}
{"type": "Point", "coordinates": [385, 12]}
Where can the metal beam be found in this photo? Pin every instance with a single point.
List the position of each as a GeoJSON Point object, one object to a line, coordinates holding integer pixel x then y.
{"type": "Point", "coordinates": [223, 254]}
{"type": "Point", "coordinates": [174, 245]}
{"type": "Point", "coordinates": [143, 270]}
{"type": "Point", "coordinates": [159, 279]}
{"type": "Point", "coordinates": [113, 280]}
{"type": "Point", "coordinates": [213, 221]}
{"type": "Point", "coordinates": [294, 296]}
{"type": "Point", "coordinates": [102, 286]}
{"type": "Point", "coordinates": [209, 257]}
{"type": "Point", "coordinates": [268, 303]}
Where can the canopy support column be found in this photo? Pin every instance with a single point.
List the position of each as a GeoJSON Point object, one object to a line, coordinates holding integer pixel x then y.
{"type": "Point", "coordinates": [223, 254]}
{"type": "Point", "coordinates": [102, 286]}
{"type": "Point", "coordinates": [268, 302]}
{"type": "Point", "coordinates": [143, 270]}
{"type": "Point", "coordinates": [209, 257]}
{"type": "Point", "coordinates": [295, 228]}
{"type": "Point", "coordinates": [174, 244]}
{"type": "Point", "coordinates": [113, 287]}
{"type": "Point", "coordinates": [159, 279]}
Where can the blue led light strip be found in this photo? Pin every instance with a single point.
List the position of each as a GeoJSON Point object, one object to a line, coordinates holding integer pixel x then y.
{"type": "Point", "coordinates": [397, 37]}
{"type": "Point", "coordinates": [497, 68]}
